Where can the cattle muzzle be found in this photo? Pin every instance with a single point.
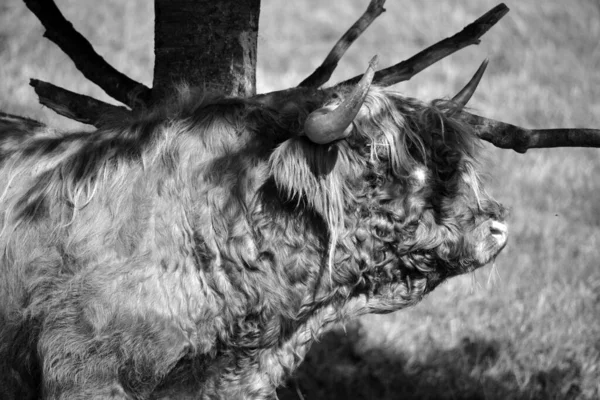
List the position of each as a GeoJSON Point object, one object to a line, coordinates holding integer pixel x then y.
{"type": "Point", "coordinates": [490, 237]}
{"type": "Point", "coordinates": [499, 231]}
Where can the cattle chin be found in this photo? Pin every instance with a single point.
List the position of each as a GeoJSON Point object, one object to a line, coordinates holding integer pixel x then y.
{"type": "Point", "coordinates": [418, 272]}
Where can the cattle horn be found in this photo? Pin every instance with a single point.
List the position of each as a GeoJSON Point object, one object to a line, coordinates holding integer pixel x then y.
{"type": "Point", "coordinates": [463, 97]}
{"type": "Point", "coordinates": [326, 124]}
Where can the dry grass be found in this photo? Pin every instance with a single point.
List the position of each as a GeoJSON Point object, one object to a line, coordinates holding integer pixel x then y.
{"type": "Point", "coordinates": [531, 330]}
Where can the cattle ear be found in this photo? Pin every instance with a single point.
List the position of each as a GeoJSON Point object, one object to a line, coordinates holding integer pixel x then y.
{"type": "Point", "coordinates": [307, 172]}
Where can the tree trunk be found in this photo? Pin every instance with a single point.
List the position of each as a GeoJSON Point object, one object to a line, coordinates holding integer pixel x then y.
{"type": "Point", "coordinates": [206, 43]}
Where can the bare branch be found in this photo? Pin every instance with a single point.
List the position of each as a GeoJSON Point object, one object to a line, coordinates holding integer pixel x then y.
{"type": "Point", "coordinates": [323, 72]}
{"type": "Point", "coordinates": [72, 105]}
{"type": "Point", "coordinates": [90, 63]}
{"type": "Point", "coordinates": [26, 123]}
{"type": "Point", "coordinates": [507, 136]}
{"type": "Point", "coordinates": [406, 69]}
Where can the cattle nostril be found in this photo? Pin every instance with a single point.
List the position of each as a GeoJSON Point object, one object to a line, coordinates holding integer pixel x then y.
{"type": "Point", "coordinates": [498, 230]}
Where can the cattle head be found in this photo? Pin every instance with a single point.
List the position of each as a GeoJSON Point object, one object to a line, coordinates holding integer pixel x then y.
{"type": "Point", "coordinates": [396, 182]}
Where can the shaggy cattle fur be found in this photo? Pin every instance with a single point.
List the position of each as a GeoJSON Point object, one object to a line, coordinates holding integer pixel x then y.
{"type": "Point", "coordinates": [197, 250]}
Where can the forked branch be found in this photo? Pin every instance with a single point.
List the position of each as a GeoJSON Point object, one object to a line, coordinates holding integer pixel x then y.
{"type": "Point", "coordinates": [90, 63]}
{"type": "Point", "coordinates": [72, 105]}
{"type": "Point", "coordinates": [322, 74]}
{"type": "Point", "coordinates": [406, 69]}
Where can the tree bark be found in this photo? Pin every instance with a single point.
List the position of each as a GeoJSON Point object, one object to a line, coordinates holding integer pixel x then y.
{"type": "Point", "coordinates": [206, 43]}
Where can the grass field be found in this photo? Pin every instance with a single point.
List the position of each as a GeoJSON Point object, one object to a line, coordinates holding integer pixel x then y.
{"type": "Point", "coordinates": [529, 328]}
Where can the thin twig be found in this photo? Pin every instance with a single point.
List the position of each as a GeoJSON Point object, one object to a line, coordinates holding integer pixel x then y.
{"type": "Point", "coordinates": [322, 74]}
{"type": "Point", "coordinates": [406, 69]}
{"type": "Point", "coordinates": [72, 105]}
{"type": "Point", "coordinates": [507, 136]}
{"type": "Point", "coordinates": [90, 63]}
{"type": "Point", "coordinates": [24, 122]}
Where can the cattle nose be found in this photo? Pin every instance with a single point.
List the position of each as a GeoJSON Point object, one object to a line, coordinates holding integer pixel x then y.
{"type": "Point", "coordinates": [499, 231]}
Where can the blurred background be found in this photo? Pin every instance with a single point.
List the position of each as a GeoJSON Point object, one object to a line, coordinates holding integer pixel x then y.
{"type": "Point", "coordinates": [527, 327]}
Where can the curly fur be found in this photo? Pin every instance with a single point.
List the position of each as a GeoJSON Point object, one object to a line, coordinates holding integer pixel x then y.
{"type": "Point", "coordinates": [199, 249]}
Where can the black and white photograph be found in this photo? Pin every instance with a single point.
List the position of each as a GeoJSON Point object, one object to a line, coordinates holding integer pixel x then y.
{"type": "Point", "coordinates": [299, 200]}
